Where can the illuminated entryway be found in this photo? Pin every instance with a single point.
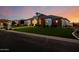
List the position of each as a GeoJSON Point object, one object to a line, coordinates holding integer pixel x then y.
{"type": "Point", "coordinates": [34, 22]}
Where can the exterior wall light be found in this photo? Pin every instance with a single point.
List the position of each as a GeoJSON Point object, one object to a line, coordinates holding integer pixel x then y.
{"type": "Point", "coordinates": [56, 21]}
{"type": "Point", "coordinates": [34, 22]}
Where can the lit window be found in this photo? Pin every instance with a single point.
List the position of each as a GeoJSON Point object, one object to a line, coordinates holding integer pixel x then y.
{"type": "Point", "coordinates": [56, 21]}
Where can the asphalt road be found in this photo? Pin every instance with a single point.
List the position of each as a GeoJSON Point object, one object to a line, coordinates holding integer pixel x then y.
{"type": "Point", "coordinates": [14, 42]}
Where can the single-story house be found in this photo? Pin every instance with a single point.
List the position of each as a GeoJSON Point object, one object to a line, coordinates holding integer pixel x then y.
{"type": "Point", "coordinates": [48, 20]}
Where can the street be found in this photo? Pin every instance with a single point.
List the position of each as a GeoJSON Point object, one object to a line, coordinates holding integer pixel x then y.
{"type": "Point", "coordinates": [14, 42]}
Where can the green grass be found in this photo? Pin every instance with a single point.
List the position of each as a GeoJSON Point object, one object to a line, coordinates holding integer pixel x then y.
{"type": "Point", "coordinates": [61, 32]}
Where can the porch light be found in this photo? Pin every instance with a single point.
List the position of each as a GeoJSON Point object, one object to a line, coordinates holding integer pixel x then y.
{"type": "Point", "coordinates": [56, 21]}
{"type": "Point", "coordinates": [34, 22]}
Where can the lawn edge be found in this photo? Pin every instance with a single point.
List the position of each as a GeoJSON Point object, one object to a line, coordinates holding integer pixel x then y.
{"type": "Point", "coordinates": [46, 36]}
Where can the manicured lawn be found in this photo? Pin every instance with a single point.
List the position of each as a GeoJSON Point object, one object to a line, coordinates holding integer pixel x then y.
{"type": "Point", "coordinates": [61, 32]}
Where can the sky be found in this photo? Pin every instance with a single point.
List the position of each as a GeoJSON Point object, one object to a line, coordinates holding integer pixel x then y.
{"type": "Point", "coordinates": [25, 12]}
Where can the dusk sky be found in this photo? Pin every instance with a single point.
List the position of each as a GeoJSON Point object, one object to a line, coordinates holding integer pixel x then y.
{"type": "Point", "coordinates": [25, 12]}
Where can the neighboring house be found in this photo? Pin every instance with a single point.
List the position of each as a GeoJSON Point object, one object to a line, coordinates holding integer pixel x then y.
{"type": "Point", "coordinates": [1, 25]}
{"type": "Point", "coordinates": [48, 20]}
{"type": "Point", "coordinates": [4, 23]}
{"type": "Point", "coordinates": [9, 25]}
{"type": "Point", "coordinates": [16, 22]}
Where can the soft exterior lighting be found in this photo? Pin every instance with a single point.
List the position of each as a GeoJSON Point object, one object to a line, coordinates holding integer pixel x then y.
{"type": "Point", "coordinates": [34, 22]}
{"type": "Point", "coordinates": [56, 21]}
{"type": "Point", "coordinates": [46, 21]}
{"type": "Point", "coordinates": [39, 21]}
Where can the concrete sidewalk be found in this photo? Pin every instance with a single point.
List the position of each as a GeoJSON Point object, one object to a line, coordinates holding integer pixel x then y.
{"type": "Point", "coordinates": [45, 36]}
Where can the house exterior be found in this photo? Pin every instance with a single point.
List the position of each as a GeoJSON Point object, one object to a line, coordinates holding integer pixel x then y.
{"type": "Point", "coordinates": [16, 22]}
{"type": "Point", "coordinates": [48, 20]}
{"type": "Point", "coordinates": [1, 25]}
{"type": "Point", "coordinates": [28, 22]}
{"type": "Point", "coordinates": [76, 25]}
{"type": "Point", "coordinates": [4, 23]}
{"type": "Point", "coordinates": [9, 25]}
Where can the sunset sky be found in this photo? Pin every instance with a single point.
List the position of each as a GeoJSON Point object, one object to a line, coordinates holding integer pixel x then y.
{"type": "Point", "coordinates": [25, 12]}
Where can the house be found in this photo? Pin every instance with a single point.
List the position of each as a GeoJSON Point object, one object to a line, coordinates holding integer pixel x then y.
{"type": "Point", "coordinates": [48, 20]}
{"type": "Point", "coordinates": [4, 23]}
{"type": "Point", "coordinates": [1, 25]}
